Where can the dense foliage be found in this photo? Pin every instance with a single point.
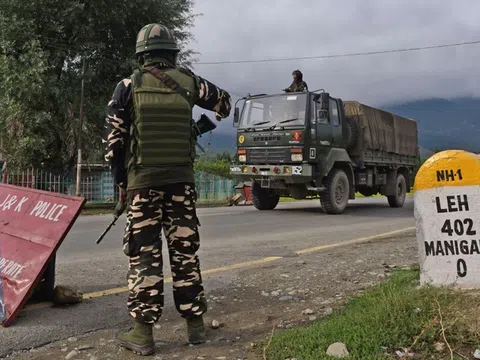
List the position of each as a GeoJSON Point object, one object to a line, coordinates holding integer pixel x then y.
{"type": "Point", "coordinates": [218, 164]}
{"type": "Point", "coordinates": [42, 47]}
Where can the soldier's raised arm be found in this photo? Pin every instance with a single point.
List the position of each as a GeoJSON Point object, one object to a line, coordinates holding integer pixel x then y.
{"type": "Point", "coordinates": [116, 132]}
{"type": "Point", "coordinates": [211, 97]}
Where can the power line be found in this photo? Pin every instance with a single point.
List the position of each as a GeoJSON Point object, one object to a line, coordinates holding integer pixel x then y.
{"type": "Point", "coordinates": [340, 55]}
{"type": "Point", "coordinates": [59, 46]}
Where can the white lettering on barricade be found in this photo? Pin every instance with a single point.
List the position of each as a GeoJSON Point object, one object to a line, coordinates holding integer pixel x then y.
{"type": "Point", "coordinates": [42, 209]}
{"type": "Point", "coordinates": [46, 210]}
{"type": "Point", "coordinates": [10, 268]}
{"type": "Point", "coordinates": [447, 213]}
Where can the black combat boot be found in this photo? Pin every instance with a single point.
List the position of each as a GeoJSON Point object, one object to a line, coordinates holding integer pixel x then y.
{"type": "Point", "coordinates": [197, 333]}
{"type": "Point", "coordinates": [139, 339]}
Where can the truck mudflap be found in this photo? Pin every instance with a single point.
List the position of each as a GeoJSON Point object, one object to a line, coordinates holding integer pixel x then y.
{"type": "Point", "coordinates": [285, 172]}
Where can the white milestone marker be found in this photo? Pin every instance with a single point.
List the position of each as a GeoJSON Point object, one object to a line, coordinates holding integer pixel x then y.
{"type": "Point", "coordinates": [447, 213]}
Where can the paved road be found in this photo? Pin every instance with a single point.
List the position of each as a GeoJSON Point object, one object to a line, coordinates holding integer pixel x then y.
{"type": "Point", "coordinates": [228, 236]}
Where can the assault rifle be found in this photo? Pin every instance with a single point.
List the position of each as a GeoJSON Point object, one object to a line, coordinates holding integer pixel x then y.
{"type": "Point", "coordinates": [203, 125]}
{"type": "Point", "coordinates": [117, 212]}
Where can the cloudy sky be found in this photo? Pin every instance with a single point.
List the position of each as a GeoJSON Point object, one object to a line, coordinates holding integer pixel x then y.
{"type": "Point", "coordinates": [232, 30]}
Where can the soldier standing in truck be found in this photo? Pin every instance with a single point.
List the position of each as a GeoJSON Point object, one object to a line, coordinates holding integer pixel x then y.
{"type": "Point", "coordinates": [298, 84]}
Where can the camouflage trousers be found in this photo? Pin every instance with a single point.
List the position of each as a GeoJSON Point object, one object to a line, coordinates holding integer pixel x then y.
{"type": "Point", "coordinates": [171, 208]}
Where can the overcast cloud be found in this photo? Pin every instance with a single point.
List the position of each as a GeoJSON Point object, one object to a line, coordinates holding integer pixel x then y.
{"type": "Point", "coordinates": [264, 29]}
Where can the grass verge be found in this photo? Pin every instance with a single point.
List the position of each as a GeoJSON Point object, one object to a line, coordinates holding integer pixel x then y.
{"type": "Point", "coordinates": [287, 199]}
{"type": "Point", "coordinates": [396, 315]}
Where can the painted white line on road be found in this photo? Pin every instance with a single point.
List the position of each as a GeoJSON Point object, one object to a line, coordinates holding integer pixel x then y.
{"type": "Point", "coordinates": [222, 214]}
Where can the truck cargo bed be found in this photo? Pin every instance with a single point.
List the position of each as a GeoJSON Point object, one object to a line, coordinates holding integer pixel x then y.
{"type": "Point", "coordinates": [380, 132]}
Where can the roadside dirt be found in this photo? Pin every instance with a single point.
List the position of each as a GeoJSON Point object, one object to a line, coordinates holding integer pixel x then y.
{"type": "Point", "coordinates": [292, 291]}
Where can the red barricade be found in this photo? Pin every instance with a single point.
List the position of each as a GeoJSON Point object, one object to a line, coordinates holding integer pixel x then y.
{"type": "Point", "coordinates": [33, 224]}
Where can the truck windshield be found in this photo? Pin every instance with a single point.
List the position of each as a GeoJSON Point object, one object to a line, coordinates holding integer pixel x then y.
{"type": "Point", "coordinates": [281, 110]}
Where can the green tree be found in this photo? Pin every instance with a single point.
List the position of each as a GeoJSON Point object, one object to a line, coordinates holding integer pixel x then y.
{"type": "Point", "coordinates": [224, 157]}
{"type": "Point", "coordinates": [43, 44]}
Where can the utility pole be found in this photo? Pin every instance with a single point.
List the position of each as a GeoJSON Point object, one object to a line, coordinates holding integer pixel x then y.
{"type": "Point", "coordinates": [79, 156]}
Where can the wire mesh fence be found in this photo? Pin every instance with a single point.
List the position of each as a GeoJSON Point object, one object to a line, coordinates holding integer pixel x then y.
{"type": "Point", "coordinates": [213, 188]}
{"type": "Point", "coordinates": [98, 186]}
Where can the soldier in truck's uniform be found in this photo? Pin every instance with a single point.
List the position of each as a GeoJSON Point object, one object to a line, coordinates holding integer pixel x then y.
{"type": "Point", "coordinates": [149, 145]}
{"type": "Point", "coordinates": [298, 84]}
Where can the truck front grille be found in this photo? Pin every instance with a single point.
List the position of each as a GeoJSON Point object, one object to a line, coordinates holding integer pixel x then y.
{"type": "Point", "coordinates": [268, 156]}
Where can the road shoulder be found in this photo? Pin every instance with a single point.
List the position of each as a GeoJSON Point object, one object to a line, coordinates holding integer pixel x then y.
{"type": "Point", "coordinates": [290, 292]}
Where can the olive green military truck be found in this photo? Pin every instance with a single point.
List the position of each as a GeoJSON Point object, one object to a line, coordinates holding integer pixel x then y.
{"type": "Point", "coordinates": [308, 144]}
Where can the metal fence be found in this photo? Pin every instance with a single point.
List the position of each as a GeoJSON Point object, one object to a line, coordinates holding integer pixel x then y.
{"type": "Point", "coordinates": [98, 186]}
{"type": "Point", "coordinates": [213, 188]}
{"type": "Point", "coordinates": [40, 180]}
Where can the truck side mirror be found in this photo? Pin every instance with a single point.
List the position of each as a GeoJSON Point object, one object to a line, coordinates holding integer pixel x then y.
{"type": "Point", "coordinates": [236, 117]}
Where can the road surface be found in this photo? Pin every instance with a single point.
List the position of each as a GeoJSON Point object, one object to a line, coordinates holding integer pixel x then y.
{"type": "Point", "coordinates": [229, 236]}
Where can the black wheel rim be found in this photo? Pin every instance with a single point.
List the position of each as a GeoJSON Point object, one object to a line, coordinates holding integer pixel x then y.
{"type": "Point", "coordinates": [340, 190]}
{"type": "Point", "coordinates": [400, 190]}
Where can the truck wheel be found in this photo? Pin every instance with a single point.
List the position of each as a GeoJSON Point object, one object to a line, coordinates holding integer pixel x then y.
{"type": "Point", "coordinates": [397, 200]}
{"type": "Point", "coordinates": [335, 197]}
{"type": "Point", "coordinates": [264, 199]}
{"type": "Point", "coordinates": [352, 133]}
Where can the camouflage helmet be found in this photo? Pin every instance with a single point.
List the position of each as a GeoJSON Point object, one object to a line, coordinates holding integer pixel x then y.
{"type": "Point", "coordinates": [155, 37]}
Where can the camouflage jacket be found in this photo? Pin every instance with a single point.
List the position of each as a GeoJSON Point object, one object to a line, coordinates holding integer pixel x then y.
{"type": "Point", "coordinates": [301, 86]}
{"type": "Point", "coordinates": [117, 123]}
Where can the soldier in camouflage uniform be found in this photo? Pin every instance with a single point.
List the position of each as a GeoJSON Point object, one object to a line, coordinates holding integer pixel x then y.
{"type": "Point", "coordinates": [298, 84]}
{"type": "Point", "coordinates": [149, 145]}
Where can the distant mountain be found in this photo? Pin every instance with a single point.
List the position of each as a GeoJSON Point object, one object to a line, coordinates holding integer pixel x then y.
{"type": "Point", "coordinates": [442, 124]}
{"type": "Point", "coordinates": [219, 142]}
{"type": "Point", "coordinates": [425, 153]}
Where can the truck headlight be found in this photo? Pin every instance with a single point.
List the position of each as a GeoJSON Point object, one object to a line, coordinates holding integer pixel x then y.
{"type": "Point", "coordinates": [242, 158]}
{"type": "Point", "coordinates": [297, 157]}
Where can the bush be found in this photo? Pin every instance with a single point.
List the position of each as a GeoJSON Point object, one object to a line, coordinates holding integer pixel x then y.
{"type": "Point", "coordinates": [218, 168]}
{"type": "Point", "coordinates": [215, 164]}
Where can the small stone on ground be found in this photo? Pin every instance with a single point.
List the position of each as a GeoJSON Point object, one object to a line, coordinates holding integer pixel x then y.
{"type": "Point", "coordinates": [308, 312]}
{"type": "Point", "coordinates": [71, 355]}
{"type": "Point", "coordinates": [338, 350]}
{"type": "Point", "coordinates": [215, 324]}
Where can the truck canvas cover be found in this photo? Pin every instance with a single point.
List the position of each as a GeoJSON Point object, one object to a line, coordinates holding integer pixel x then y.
{"type": "Point", "coordinates": [380, 130]}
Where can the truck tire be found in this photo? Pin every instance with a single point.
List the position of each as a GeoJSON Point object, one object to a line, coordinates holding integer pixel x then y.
{"type": "Point", "coordinates": [264, 199]}
{"type": "Point", "coordinates": [352, 137]}
{"type": "Point", "coordinates": [337, 188]}
{"type": "Point", "coordinates": [397, 200]}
